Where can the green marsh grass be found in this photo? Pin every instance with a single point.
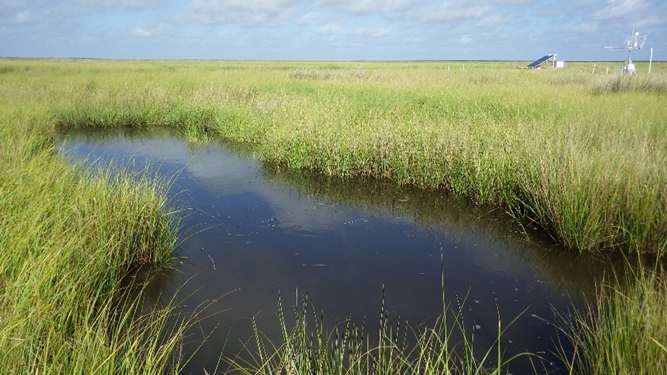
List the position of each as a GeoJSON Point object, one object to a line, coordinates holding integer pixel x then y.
{"type": "Point", "coordinates": [624, 332]}
{"type": "Point", "coordinates": [582, 155]}
{"type": "Point", "coordinates": [72, 242]}
{"type": "Point", "coordinates": [447, 347]}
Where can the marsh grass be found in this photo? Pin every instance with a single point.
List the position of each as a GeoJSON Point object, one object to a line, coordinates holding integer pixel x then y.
{"type": "Point", "coordinates": [309, 347]}
{"type": "Point", "coordinates": [625, 82]}
{"type": "Point", "coordinates": [624, 332]}
{"type": "Point", "coordinates": [72, 241]}
{"type": "Point", "coordinates": [348, 74]}
{"type": "Point", "coordinates": [581, 157]}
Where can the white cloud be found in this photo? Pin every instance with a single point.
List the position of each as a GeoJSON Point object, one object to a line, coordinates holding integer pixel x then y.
{"type": "Point", "coordinates": [330, 29]}
{"type": "Point", "coordinates": [586, 27]}
{"type": "Point", "coordinates": [23, 16]}
{"type": "Point", "coordinates": [493, 20]}
{"type": "Point", "coordinates": [305, 29]}
{"type": "Point", "coordinates": [455, 11]}
{"type": "Point", "coordinates": [505, 2]}
{"type": "Point", "coordinates": [122, 4]}
{"type": "Point", "coordinates": [224, 34]}
{"type": "Point", "coordinates": [365, 31]}
{"type": "Point", "coordinates": [386, 7]}
{"type": "Point", "coordinates": [652, 21]}
{"type": "Point", "coordinates": [313, 18]}
{"type": "Point", "coordinates": [9, 5]}
{"type": "Point", "coordinates": [142, 32]}
{"type": "Point", "coordinates": [243, 12]}
{"type": "Point", "coordinates": [464, 40]}
{"type": "Point", "coordinates": [619, 8]}
{"type": "Point", "coordinates": [57, 13]}
{"type": "Point", "coordinates": [15, 12]}
{"type": "Point", "coordinates": [423, 10]}
{"type": "Point", "coordinates": [374, 32]}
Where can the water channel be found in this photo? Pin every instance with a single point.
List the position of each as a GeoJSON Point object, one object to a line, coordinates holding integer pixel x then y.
{"type": "Point", "coordinates": [251, 230]}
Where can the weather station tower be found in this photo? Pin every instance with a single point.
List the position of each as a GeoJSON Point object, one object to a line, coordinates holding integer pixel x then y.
{"type": "Point", "coordinates": [636, 41]}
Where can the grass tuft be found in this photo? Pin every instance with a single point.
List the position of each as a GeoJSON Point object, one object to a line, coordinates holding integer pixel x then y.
{"type": "Point", "coordinates": [447, 347]}
{"type": "Point", "coordinates": [74, 242]}
{"type": "Point", "coordinates": [623, 332]}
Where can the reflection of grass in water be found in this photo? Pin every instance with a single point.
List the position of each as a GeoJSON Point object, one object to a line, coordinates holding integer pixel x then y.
{"type": "Point", "coordinates": [578, 274]}
{"type": "Point", "coordinates": [445, 348]}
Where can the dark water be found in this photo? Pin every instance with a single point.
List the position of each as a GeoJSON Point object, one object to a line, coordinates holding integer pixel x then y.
{"type": "Point", "coordinates": [252, 230]}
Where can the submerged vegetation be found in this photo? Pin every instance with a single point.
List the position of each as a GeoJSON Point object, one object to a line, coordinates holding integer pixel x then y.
{"type": "Point", "coordinates": [582, 155]}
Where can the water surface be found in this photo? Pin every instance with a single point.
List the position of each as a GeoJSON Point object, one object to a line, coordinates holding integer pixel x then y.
{"type": "Point", "coordinates": [251, 231]}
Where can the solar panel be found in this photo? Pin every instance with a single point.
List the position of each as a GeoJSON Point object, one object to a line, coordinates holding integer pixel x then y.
{"type": "Point", "coordinates": [539, 61]}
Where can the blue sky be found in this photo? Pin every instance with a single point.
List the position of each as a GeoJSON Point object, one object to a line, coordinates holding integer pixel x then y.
{"type": "Point", "coordinates": [331, 29]}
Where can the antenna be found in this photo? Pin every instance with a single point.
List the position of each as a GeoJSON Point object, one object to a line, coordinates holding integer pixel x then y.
{"type": "Point", "coordinates": [636, 41]}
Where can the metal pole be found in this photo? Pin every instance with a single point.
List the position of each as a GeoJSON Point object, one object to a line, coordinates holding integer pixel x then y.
{"type": "Point", "coordinates": [650, 61]}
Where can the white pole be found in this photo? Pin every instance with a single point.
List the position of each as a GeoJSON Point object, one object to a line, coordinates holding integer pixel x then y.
{"type": "Point", "coordinates": [650, 61]}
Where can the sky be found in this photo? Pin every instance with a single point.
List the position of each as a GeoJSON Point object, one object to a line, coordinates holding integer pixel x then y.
{"type": "Point", "coordinates": [576, 30]}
